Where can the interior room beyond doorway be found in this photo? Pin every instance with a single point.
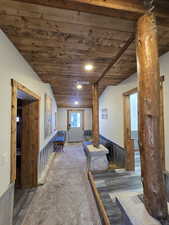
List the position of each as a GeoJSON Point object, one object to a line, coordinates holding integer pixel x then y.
{"type": "Point", "coordinates": [24, 143]}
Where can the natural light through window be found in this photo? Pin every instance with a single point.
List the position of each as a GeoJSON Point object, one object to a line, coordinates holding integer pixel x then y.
{"type": "Point", "coordinates": [75, 119]}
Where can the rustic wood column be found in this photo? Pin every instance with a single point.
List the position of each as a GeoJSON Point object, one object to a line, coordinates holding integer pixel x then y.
{"type": "Point", "coordinates": [95, 115]}
{"type": "Point", "coordinates": [149, 117]}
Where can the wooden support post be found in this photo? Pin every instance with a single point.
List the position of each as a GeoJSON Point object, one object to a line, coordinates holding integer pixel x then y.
{"type": "Point", "coordinates": [149, 117]}
{"type": "Point", "coordinates": [95, 115]}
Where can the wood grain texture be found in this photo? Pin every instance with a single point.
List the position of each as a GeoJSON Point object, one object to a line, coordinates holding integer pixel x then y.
{"type": "Point", "coordinates": [128, 141]}
{"type": "Point", "coordinates": [95, 115]}
{"type": "Point", "coordinates": [25, 161]}
{"type": "Point", "coordinates": [77, 6]}
{"type": "Point", "coordinates": [162, 132]}
{"type": "Point", "coordinates": [59, 37]}
{"type": "Point", "coordinates": [149, 117]}
{"type": "Point", "coordinates": [134, 6]}
{"type": "Point", "coordinates": [130, 92]}
{"type": "Point", "coordinates": [30, 136]}
{"type": "Point", "coordinates": [117, 57]}
{"type": "Point", "coordinates": [130, 160]}
{"type": "Point", "coordinates": [111, 183]}
{"type": "Point", "coordinates": [99, 202]}
{"type": "Point", "coordinates": [127, 119]}
{"type": "Point", "coordinates": [13, 130]}
{"type": "Point", "coordinates": [21, 87]}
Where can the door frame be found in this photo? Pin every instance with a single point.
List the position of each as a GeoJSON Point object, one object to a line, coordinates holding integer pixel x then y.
{"type": "Point", "coordinates": [34, 109]}
{"type": "Point", "coordinates": [75, 110]}
{"type": "Point", "coordinates": [128, 142]}
{"type": "Point", "coordinates": [126, 111]}
{"type": "Point", "coordinates": [162, 129]}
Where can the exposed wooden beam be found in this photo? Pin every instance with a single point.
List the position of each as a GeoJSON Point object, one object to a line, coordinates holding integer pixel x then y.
{"type": "Point", "coordinates": [71, 96]}
{"type": "Point", "coordinates": [74, 78]}
{"type": "Point", "coordinates": [117, 57]}
{"type": "Point", "coordinates": [135, 6]}
{"type": "Point", "coordinates": [92, 6]}
{"type": "Point", "coordinates": [80, 7]}
{"type": "Point", "coordinates": [149, 117]}
{"type": "Point", "coordinates": [126, 5]}
{"type": "Point", "coordinates": [24, 15]}
{"type": "Point", "coordinates": [72, 106]}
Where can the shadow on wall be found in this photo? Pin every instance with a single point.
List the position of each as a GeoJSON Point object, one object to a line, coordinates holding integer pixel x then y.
{"type": "Point", "coordinates": [116, 154]}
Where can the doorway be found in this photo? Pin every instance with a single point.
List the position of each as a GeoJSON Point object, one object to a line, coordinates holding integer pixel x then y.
{"type": "Point", "coordinates": [24, 142]}
{"type": "Point", "coordinates": [131, 140]}
{"type": "Point", "coordinates": [131, 130]}
{"type": "Point", "coordinates": [75, 125]}
{"type": "Point", "coordinates": [134, 130]}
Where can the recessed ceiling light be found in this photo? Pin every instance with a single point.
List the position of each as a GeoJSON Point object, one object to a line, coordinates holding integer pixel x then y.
{"type": "Point", "coordinates": [76, 102]}
{"type": "Point", "coordinates": [79, 86]}
{"type": "Point", "coordinates": [88, 67]}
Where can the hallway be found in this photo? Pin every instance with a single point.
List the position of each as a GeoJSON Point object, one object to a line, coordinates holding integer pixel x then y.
{"type": "Point", "coordinates": [91, 71]}
{"type": "Point", "coordinates": [66, 198]}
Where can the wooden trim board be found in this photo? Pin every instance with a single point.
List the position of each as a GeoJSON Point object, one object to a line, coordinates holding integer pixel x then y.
{"type": "Point", "coordinates": [127, 126]}
{"type": "Point", "coordinates": [162, 131]}
{"type": "Point", "coordinates": [130, 92]}
{"type": "Point", "coordinates": [21, 87]}
{"type": "Point", "coordinates": [99, 202]}
{"type": "Point", "coordinates": [13, 131]}
{"type": "Point", "coordinates": [128, 143]}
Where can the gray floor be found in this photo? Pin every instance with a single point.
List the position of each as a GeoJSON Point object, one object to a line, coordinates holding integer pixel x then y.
{"type": "Point", "coordinates": [66, 198]}
{"type": "Point", "coordinates": [137, 163]}
{"type": "Point", "coordinates": [23, 199]}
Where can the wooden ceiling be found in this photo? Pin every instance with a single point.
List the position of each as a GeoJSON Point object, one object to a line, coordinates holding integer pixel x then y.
{"type": "Point", "coordinates": [58, 38]}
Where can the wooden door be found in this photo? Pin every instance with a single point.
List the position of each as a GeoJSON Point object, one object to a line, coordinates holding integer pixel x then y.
{"type": "Point", "coordinates": [30, 143]}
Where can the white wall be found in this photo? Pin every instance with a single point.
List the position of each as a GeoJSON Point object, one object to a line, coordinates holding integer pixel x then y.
{"type": "Point", "coordinates": [112, 128]}
{"type": "Point", "coordinates": [13, 66]}
{"type": "Point", "coordinates": [62, 118]}
{"type": "Point", "coordinates": [112, 100]}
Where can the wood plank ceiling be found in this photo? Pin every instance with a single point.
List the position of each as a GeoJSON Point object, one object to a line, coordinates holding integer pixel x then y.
{"type": "Point", "coordinates": [59, 40]}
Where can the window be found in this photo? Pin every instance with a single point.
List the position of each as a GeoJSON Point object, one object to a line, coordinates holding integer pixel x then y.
{"type": "Point", "coordinates": [17, 119]}
{"type": "Point", "coordinates": [75, 119]}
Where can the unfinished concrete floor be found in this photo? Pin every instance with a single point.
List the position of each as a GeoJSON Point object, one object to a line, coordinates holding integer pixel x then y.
{"type": "Point", "coordinates": [66, 198]}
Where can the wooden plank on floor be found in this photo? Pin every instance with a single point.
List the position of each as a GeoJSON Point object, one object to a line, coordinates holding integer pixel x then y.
{"type": "Point", "coordinates": [109, 183]}
{"type": "Point", "coordinates": [98, 200]}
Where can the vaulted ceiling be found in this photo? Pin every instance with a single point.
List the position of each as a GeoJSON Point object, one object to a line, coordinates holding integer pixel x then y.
{"type": "Point", "coordinates": [58, 38]}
